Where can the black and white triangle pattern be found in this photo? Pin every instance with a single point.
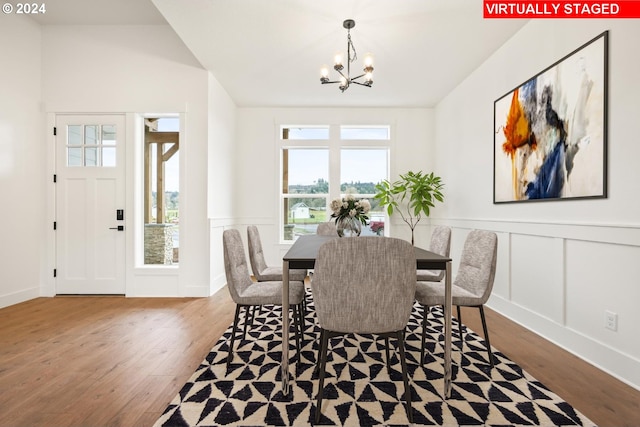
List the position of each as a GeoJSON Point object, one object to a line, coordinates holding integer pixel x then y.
{"type": "Point", "coordinates": [359, 391]}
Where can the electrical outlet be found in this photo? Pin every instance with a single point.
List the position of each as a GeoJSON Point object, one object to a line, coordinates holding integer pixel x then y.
{"type": "Point", "coordinates": [611, 320]}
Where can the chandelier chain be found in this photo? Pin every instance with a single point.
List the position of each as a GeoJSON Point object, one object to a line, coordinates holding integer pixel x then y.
{"type": "Point", "coordinates": [351, 48]}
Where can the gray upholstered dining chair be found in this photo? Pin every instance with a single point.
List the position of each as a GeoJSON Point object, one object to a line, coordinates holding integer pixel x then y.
{"type": "Point", "coordinates": [327, 229]}
{"type": "Point", "coordinates": [472, 285]}
{"type": "Point", "coordinates": [364, 285]}
{"type": "Point", "coordinates": [261, 271]}
{"type": "Point", "coordinates": [247, 293]}
{"type": "Point", "coordinates": [441, 245]}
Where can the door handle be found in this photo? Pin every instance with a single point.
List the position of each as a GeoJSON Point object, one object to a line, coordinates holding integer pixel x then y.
{"type": "Point", "coordinates": [119, 228]}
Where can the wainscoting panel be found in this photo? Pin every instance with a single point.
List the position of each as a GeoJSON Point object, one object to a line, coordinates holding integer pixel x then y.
{"type": "Point", "coordinates": [537, 275]}
{"type": "Point", "coordinates": [559, 279]}
{"type": "Point", "coordinates": [604, 277]}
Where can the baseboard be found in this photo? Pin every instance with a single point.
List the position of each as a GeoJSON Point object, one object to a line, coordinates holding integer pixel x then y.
{"type": "Point", "coordinates": [196, 291]}
{"type": "Point", "coordinates": [217, 287]}
{"type": "Point", "coordinates": [614, 362]}
{"type": "Point", "coordinates": [18, 297]}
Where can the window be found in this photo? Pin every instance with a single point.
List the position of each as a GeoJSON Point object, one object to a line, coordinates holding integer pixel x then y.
{"type": "Point", "coordinates": [91, 145]}
{"type": "Point", "coordinates": [161, 190]}
{"type": "Point", "coordinates": [360, 170]}
{"type": "Point", "coordinates": [305, 190]}
{"type": "Point", "coordinates": [317, 169]}
{"type": "Point", "coordinates": [364, 133]}
{"type": "Point", "coordinates": [307, 132]}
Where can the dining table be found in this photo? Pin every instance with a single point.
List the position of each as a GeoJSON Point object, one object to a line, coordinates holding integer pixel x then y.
{"type": "Point", "coordinates": [302, 255]}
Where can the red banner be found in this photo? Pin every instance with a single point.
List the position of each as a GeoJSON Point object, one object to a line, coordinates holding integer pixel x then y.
{"type": "Point", "coordinates": [561, 9]}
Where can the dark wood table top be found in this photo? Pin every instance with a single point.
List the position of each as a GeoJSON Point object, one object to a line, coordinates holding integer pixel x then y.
{"type": "Point", "coordinates": [304, 251]}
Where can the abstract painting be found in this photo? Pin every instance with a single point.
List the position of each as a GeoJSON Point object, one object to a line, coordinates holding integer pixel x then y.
{"type": "Point", "coordinates": [550, 134]}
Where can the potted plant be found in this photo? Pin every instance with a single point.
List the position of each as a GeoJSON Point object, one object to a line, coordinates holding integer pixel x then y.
{"type": "Point", "coordinates": [412, 196]}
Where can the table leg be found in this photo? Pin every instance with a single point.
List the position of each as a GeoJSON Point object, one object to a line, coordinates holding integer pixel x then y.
{"type": "Point", "coordinates": [447, 332]}
{"type": "Point", "coordinates": [285, 328]}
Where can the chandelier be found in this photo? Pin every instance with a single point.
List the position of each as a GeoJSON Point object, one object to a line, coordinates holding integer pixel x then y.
{"type": "Point", "coordinates": [346, 80]}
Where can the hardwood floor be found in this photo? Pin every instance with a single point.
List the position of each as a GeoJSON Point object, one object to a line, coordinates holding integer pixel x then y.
{"type": "Point", "coordinates": [114, 361]}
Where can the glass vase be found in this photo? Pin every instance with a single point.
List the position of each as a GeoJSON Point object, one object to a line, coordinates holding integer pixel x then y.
{"type": "Point", "coordinates": [348, 227]}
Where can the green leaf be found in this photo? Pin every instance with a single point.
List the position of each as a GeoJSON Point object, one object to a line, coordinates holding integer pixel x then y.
{"type": "Point", "coordinates": [416, 192]}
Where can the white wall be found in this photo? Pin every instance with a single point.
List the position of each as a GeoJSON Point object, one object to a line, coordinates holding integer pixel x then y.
{"type": "Point", "coordinates": [258, 164]}
{"type": "Point", "coordinates": [22, 179]}
{"type": "Point", "coordinates": [141, 69]}
{"type": "Point", "coordinates": [221, 177]}
{"type": "Point", "coordinates": [562, 263]}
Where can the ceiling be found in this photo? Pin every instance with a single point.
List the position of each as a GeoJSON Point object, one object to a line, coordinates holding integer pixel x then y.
{"type": "Point", "coordinates": [269, 53]}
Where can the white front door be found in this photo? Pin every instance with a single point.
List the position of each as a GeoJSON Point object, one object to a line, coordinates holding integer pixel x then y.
{"type": "Point", "coordinates": [90, 202]}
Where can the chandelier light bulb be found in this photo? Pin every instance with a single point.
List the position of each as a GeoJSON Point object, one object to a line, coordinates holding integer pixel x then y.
{"type": "Point", "coordinates": [368, 60]}
{"type": "Point", "coordinates": [338, 62]}
{"type": "Point", "coordinates": [368, 77]}
{"type": "Point", "coordinates": [324, 74]}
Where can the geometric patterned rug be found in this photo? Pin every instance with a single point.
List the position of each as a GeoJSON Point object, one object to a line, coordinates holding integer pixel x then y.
{"type": "Point", "coordinates": [359, 391]}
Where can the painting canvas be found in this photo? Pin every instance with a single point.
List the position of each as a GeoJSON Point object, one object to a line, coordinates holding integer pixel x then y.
{"type": "Point", "coordinates": [550, 132]}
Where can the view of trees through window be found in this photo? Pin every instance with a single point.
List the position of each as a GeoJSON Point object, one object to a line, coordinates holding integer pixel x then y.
{"type": "Point", "coordinates": [321, 186]}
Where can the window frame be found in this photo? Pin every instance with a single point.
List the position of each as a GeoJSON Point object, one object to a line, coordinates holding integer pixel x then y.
{"type": "Point", "coordinates": [334, 145]}
{"type": "Point", "coordinates": [140, 207]}
{"type": "Point", "coordinates": [99, 147]}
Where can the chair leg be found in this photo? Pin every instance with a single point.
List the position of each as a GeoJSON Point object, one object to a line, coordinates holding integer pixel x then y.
{"type": "Point", "coordinates": [248, 317]}
{"type": "Point", "coordinates": [486, 335]}
{"type": "Point", "coordinates": [233, 335]}
{"type": "Point", "coordinates": [460, 327]}
{"type": "Point", "coordinates": [322, 360]}
{"type": "Point", "coordinates": [405, 376]}
{"type": "Point", "coordinates": [317, 368]}
{"type": "Point", "coordinates": [386, 350]}
{"type": "Point", "coordinates": [303, 323]}
{"type": "Point", "coordinates": [304, 303]}
{"type": "Point", "coordinates": [303, 313]}
{"type": "Point", "coordinates": [425, 310]}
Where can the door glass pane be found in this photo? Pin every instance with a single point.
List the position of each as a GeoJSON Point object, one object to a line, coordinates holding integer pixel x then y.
{"type": "Point", "coordinates": [91, 134]}
{"type": "Point", "coordinates": [108, 135]}
{"type": "Point", "coordinates": [74, 135]}
{"type": "Point", "coordinates": [90, 156]}
{"type": "Point", "coordinates": [74, 156]}
{"type": "Point", "coordinates": [109, 156]}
